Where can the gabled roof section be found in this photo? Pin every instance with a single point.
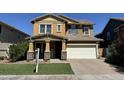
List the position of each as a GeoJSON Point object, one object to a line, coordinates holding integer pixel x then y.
{"type": "Point", "coordinates": [40, 36]}
{"type": "Point", "coordinates": [13, 28]}
{"type": "Point", "coordinates": [48, 15]}
{"type": "Point", "coordinates": [107, 25]}
{"type": "Point", "coordinates": [113, 19]}
{"type": "Point", "coordinates": [63, 18]}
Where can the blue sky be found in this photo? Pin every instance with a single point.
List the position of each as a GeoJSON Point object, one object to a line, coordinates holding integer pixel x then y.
{"type": "Point", "coordinates": [22, 20]}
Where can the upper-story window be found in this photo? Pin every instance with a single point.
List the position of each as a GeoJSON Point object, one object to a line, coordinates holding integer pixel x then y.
{"type": "Point", "coordinates": [85, 30]}
{"type": "Point", "coordinates": [48, 28]}
{"type": "Point", "coordinates": [0, 29]}
{"type": "Point", "coordinates": [108, 36]}
{"type": "Point", "coordinates": [45, 28]}
{"type": "Point", "coordinates": [59, 27]}
{"type": "Point", "coordinates": [42, 28]}
{"type": "Point", "coordinates": [72, 29]}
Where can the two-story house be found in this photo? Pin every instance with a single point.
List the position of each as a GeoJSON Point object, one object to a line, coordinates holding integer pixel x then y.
{"type": "Point", "coordinates": [61, 37]}
{"type": "Point", "coordinates": [109, 33]}
{"type": "Point", "coordinates": [9, 35]}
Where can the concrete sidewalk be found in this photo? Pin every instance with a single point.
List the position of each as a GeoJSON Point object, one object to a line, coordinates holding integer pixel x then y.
{"type": "Point", "coordinates": [64, 77]}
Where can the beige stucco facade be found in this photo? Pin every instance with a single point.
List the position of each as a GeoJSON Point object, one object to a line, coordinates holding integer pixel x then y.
{"type": "Point", "coordinates": [65, 28]}
{"type": "Point", "coordinates": [53, 23]}
{"type": "Point", "coordinates": [62, 36]}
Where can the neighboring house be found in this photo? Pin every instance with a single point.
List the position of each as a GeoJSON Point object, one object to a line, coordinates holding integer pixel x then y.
{"type": "Point", "coordinates": [61, 37]}
{"type": "Point", "coordinates": [9, 35]}
{"type": "Point", "coordinates": [119, 33]}
{"type": "Point", "coordinates": [109, 33]}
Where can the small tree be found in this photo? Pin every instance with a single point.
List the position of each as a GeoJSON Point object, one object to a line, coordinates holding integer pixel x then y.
{"type": "Point", "coordinates": [18, 51]}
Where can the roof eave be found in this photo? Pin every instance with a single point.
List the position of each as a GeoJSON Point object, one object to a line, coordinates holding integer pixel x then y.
{"type": "Point", "coordinates": [99, 40]}
{"type": "Point", "coordinates": [13, 28]}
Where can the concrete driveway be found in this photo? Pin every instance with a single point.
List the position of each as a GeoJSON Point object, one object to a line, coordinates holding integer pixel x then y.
{"type": "Point", "coordinates": [91, 66]}
{"type": "Point", "coordinates": [94, 69]}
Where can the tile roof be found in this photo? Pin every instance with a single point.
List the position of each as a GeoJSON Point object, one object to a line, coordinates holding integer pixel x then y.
{"type": "Point", "coordinates": [83, 38]}
{"type": "Point", "coordinates": [69, 37]}
{"type": "Point", "coordinates": [85, 21]}
{"type": "Point", "coordinates": [64, 18]}
{"type": "Point", "coordinates": [45, 35]}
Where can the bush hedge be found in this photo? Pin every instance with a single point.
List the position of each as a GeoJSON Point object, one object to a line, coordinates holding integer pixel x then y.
{"type": "Point", "coordinates": [18, 51]}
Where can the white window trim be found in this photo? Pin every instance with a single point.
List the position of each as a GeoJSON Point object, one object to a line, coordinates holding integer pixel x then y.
{"type": "Point", "coordinates": [45, 27]}
{"type": "Point", "coordinates": [84, 31]}
{"type": "Point", "coordinates": [60, 28]}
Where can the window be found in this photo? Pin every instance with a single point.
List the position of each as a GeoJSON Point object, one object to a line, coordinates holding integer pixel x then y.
{"type": "Point", "coordinates": [73, 26]}
{"type": "Point", "coordinates": [48, 28]}
{"type": "Point", "coordinates": [18, 37]}
{"type": "Point", "coordinates": [0, 29]}
{"type": "Point", "coordinates": [73, 29]}
{"type": "Point", "coordinates": [42, 28]}
{"type": "Point", "coordinates": [59, 28]}
{"type": "Point", "coordinates": [45, 28]}
{"type": "Point", "coordinates": [108, 36]}
{"type": "Point", "coordinates": [85, 30]}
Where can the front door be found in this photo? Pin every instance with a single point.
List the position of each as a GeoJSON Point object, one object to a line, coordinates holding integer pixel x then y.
{"type": "Point", "coordinates": [41, 46]}
{"type": "Point", "coordinates": [55, 49]}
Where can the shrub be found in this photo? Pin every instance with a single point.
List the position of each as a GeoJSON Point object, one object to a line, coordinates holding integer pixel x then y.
{"type": "Point", "coordinates": [117, 50]}
{"type": "Point", "coordinates": [18, 51]}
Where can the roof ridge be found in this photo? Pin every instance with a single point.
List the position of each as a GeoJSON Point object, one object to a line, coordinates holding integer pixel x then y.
{"type": "Point", "coordinates": [66, 17]}
{"type": "Point", "coordinates": [47, 14]}
{"type": "Point", "coordinates": [61, 17]}
{"type": "Point", "coordinates": [118, 18]}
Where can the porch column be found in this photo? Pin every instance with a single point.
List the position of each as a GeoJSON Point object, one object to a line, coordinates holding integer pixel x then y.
{"type": "Point", "coordinates": [30, 53]}
{"type": "Point", "coordinates": [97, 50]}
{"type": "Point", "coordinates": [63, 52]}
{"type": "Point", "coordinates": [80, 31]}
{"type": "Point", "coordinates": [47, 50]}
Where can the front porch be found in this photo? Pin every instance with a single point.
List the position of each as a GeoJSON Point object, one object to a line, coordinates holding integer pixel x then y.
{"type": "Point", "coordinates": [51, 47]}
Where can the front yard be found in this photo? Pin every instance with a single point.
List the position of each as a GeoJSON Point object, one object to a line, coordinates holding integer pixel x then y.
{"type": "Point", "coordinates": [28, 69]}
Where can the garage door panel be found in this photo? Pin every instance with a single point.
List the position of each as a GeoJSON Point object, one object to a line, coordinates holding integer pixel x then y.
{"type": "Point", "coordinates": [81, 52]}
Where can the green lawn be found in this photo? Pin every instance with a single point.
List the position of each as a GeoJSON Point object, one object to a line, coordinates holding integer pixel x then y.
{"type": "Point", "coordinates": [28, 69]}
